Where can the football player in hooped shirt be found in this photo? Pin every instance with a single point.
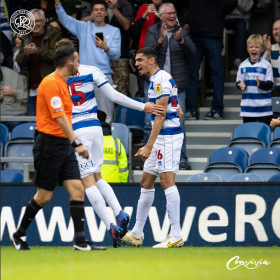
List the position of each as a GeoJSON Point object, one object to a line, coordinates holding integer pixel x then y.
{"type": "Point", "coordinates": [89, 131]}
{"type": "Point", "coordinates": [161, 153]}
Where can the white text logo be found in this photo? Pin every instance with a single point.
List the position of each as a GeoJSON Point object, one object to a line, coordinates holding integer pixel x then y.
{"type": "Point", "coordinates": [252, 264]}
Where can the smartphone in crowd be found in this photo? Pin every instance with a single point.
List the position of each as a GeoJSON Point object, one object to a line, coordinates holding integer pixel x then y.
{"type": "Point", "coordinates": [99, 35]}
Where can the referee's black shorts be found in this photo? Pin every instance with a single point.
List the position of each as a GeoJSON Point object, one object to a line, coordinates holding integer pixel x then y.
{"type": "Point", "coordinates": [54, 160]}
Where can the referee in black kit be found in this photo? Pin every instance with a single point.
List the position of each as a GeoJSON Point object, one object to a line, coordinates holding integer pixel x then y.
{"type": "Point", "coordinates": [54, 154]}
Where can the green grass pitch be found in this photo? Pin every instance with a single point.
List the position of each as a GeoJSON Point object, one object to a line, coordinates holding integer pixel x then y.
{"type": "Point", "coordinates": [143, 263]}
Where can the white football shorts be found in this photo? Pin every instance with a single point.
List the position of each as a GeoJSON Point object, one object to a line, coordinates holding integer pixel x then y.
{"type": "Point", "coordinates": [92, 139]}
{"type": "Point", "coordinates": [165, 155]}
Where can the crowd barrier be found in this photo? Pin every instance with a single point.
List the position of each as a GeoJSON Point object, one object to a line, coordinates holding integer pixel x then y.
{"type": "Point", "coordinates": [213, 214]}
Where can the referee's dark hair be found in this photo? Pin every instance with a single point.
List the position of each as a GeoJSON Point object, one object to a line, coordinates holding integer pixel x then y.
{"type": "Point", "coordinates": [100, 2]}
{"type": "Point", "coordinates": [62, 55]}
{"type": "Point", "coordinates": [148, 52]}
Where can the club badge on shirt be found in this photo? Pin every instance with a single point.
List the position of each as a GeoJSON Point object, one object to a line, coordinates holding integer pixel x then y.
{"type": "Point", "coordinates": [158, 88]}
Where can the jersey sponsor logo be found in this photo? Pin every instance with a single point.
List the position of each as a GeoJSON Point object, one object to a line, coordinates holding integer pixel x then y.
{"type": "Point", "coordinates": [158, 88]}
{"type": "Point", "coordinates": [86, 165]}
{"type": "Point", "coordinates": [59, 110]}
{"type": "Point", "coordinates": [56, 102]}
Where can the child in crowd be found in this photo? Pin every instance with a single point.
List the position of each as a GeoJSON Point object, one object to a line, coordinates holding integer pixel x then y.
{"type": "Point", "coordinates": [255, 80]}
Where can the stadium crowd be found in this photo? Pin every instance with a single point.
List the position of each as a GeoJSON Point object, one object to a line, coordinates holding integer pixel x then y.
{"type": "Point", "coordinates": [107, 34]}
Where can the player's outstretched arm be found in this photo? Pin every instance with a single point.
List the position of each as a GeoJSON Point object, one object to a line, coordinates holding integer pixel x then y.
{"type": "Point", "coordinates": [123, 100]}
{"type": "Point", "coordinates": [145, 152]}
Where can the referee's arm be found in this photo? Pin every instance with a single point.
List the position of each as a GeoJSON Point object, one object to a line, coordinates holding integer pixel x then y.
{"type": "Point", "coordinates": [66, 128]}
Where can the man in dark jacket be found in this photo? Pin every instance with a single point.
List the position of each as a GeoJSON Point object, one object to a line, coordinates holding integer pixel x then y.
{"type": "Point", "coordinates": [174, 46]}
{"type": "Point", "coordinates": [36, 52]}
{"type": "Point", "coordinates": [205, 23]}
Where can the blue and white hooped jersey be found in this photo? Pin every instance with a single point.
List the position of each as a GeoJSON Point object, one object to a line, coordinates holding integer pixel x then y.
{"type": "Point", "coordinates": [81, 88]}
{"type": "Point", "coordinates": [162, 84]}
{"type": "Point", "coordinates": [255, 102]}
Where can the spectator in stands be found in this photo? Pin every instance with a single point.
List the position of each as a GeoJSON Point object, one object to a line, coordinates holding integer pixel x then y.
{"type": "Point", "coordinates": [6, 51]}
{"type": "Point", "coordinates": [174, 47]}
{"type": "Point", "coordinates": [13, 95]}
{"type": "Point", "coordinates": [93, 50]}
{"type": "Point", "coordinates": [36, 52]}
{"type": "Point", "coordinates": [47, 6]}
{"type": "Point", "coordinates": [206, 30]}
{"type": "Point", "coordinates": [16, 47]}
{"type": "Point", "coordinates": [120, 15]}
{"type": "Point", "coordinates": [136, 4]}
{"type": "Point", "coordinates": [114, 168]}
{"type": "Point", "coordinates": [272, 53]}
{"type": "Point", "coordinates": [147, 16]}
{"type": "Point", "coordinates": [255, 80]}
{"type": "Point", "coordinates": [238, 21]}
{"type": "Point", "coordinates": [4, 24]}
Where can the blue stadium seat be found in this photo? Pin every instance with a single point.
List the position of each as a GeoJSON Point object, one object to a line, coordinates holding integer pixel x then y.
{"type": "Point", "coordinates": [275, 102]}
{"type": "Point", "coordinates": [205, 177]}
{"type": "Point", "coordinates": [14, 176]}
{"type": "Point", "coordinates": [18, 149]}
{"type": "Point", "coordinates": [251, 136]}
{"type": "Point", "coordinates": [24, 130]}
{"type": "Point", "coordinates": [134, 119]}
{"type": "Point", "coordinates": [274, 178]}
{"type": "Point", "coordinates": [227, 161]}
{"type": "Point", "coordinates": [121, 131]}
{"type": "Point", "coordinates": [246, 177]}
{"type": "Point", "coordinates": [275, 143]}
{"type": "Point", "coordinates": [4, 137]}
{"type": "Point", "coordinates": [265, 162]}
{"type": "Point", "coordinates": [20, 145]}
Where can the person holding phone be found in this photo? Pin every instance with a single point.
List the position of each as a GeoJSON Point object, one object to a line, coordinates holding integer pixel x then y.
{"type": "Point", "coordinates": [95, 49]}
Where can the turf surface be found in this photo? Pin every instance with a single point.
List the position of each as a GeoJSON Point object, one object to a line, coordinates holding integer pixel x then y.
{"type": "Point", "coordinates": [137, 263]}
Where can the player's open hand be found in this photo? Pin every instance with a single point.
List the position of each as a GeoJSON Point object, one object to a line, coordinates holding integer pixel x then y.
{"type": "Point", "coordinates": [143, 153]}
{"type": "Point", "coordinates": [241, 85]}
{"type": "Point", "coordinates": [82, 151]}
{"type": "Point", "coordinates": [152, 108]}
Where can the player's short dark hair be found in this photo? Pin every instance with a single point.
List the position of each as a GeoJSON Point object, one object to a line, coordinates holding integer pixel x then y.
{"type": "Point", "coordinates": [148, 52]}
{"type": "Point", "coordinates": [62, 55]}
{"type": "Point", "coordinates": [101, 2]}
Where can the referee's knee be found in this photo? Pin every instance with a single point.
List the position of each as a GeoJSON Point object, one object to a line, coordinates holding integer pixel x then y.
{"type": "Point", "coordinates": [76, 190]}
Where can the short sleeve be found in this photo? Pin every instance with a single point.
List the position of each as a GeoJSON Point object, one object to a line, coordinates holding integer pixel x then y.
{"type": "Point", "coordinates": [163, 87]}
{"type": "Point", "coordinates": [53, 96]}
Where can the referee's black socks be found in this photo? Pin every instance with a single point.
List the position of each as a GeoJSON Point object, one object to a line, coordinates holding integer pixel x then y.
{"type": "Point", "coordinates": [31, 210]}
{"type": "Point", "coordinates": [78, 215]}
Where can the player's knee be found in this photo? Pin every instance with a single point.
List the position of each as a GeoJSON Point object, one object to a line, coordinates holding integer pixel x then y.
{"type": "Point", "coordinates": [164, 183]}
{"type": "Point", "coordinates": [143, 184]}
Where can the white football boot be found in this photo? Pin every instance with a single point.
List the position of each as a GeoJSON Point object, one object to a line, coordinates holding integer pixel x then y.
{"type": "Point", "coordinates": [170, 242]}
{"type": "Point", "coordinates": [129, 238]}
